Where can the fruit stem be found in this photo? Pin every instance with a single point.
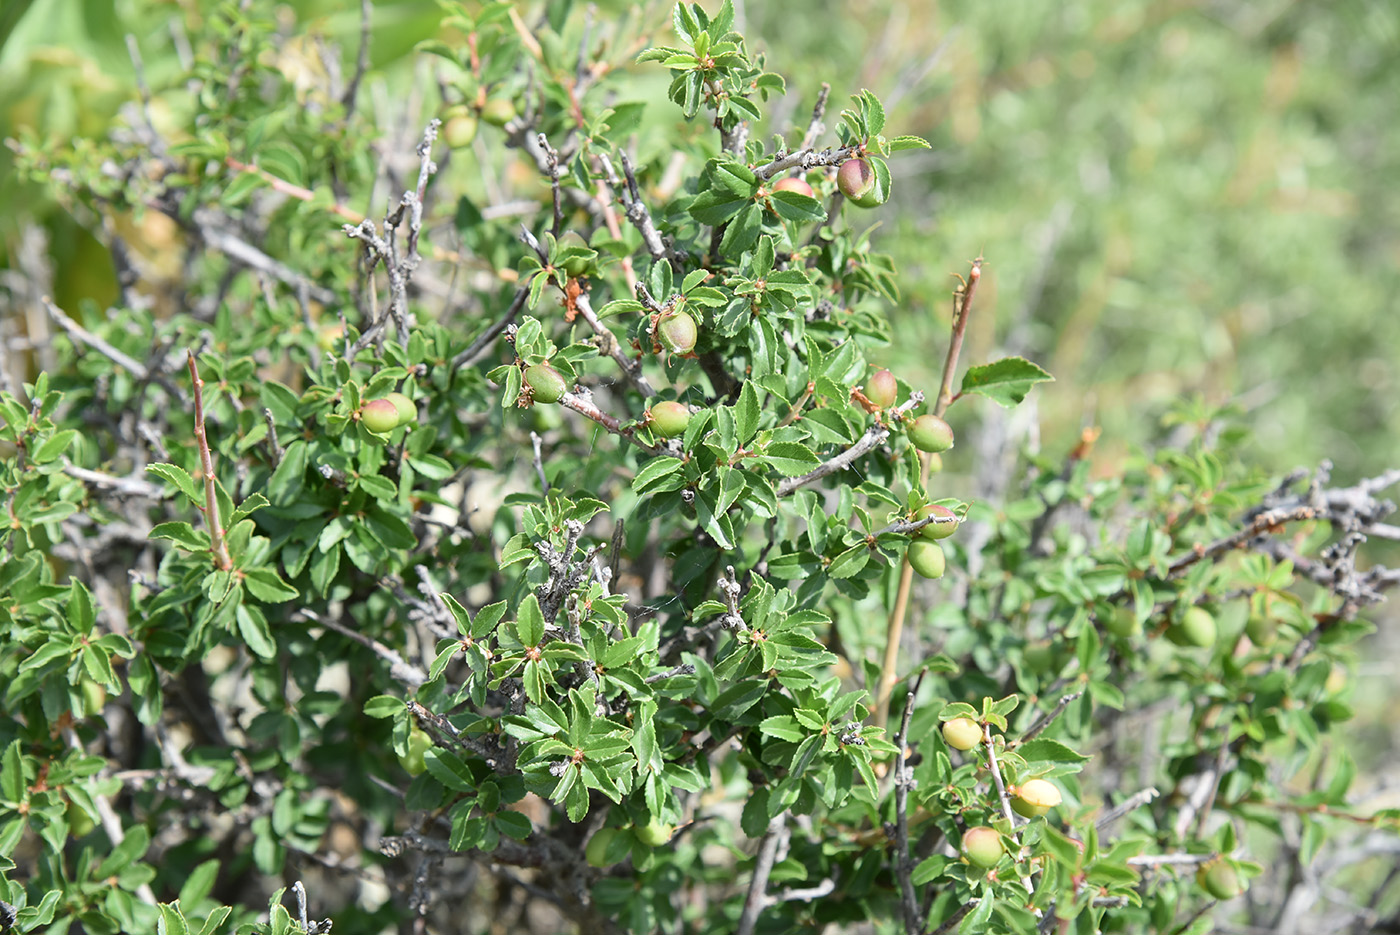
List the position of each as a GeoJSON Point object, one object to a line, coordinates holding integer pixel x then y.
{"type": "Point", "coordinates": [895, 629]}
{"type": "Point", "coordinates": [217, 545]}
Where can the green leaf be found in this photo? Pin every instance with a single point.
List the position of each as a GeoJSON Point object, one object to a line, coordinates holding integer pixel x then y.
{"type": "Point", "coordinates": [253, 628]}
{"type": "Point", "coordinates": [180, 478]}
{"type": "Point", "coordinates": [383, 706]}
{"type": "Point", "coordinates": [287, 481]}
{"type": "Point", "coordinates": [172, 921]}
{"type": "Point", "coordinates": [54, 446]}
{"type": "Point", "coordinates": [529, 623]}
{"type": "Point", "coordinates": [1051, 751]}
{"type": "Point", "coordinates": [184, 535]}
{"type": "Point", "coordinates": [1006, 381]}
{"type": "Point", "coordinates": [790, 458]}
{"type": "Point", "coordinates": [12, 774]}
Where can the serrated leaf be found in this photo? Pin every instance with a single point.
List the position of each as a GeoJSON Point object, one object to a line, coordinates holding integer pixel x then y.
{"type": "Point", "coordinates": [180, 478]}
{"type": "Point", "coordinates": [1005, 381]}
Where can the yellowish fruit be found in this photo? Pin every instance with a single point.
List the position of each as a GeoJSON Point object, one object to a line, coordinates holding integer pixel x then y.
{"type": "Point", "coordinates": [1035, 797]}
{"type": "Point", "coordinates": [1195, 628]}
{"type": "Point", "coordinates": [498, 112]}
{"type": "Point", "coordinates": [927, 558]}
{"type": "Point", "coordinates": [962, 733]}
{"type": "Point", "coordinates": [404, 406]}
{"type": "Point", "coordinates": [329, 337]}
{"type": "Point", "coordinates": [792, 184]}
{"type": "Point", "coordinates": [460, 128]}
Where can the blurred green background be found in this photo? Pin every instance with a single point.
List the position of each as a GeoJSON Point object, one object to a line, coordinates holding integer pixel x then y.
{"type": "Point", "coordinates": [1174, 198]}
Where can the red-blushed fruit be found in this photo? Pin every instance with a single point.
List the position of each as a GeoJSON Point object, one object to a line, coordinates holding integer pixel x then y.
{"type": "Point", "coordinates": [459, 129]}
{"type": "Point", "coordinates": [1123, 622]}
{"type": "Point", "coordinates": [927, 558]}
{"type": "Point", "coordinates": [669, 419]}
{"type": "Point", "coordinates": [930, 433]}
{"type": "Point", "coordinates": [790, 183]}
{"type": "Point", "coordinates": [379, 416]}
{"type": "Point", "coordinates": [655, 833]}
{"type": "Point", "coordinates": [546, 384]}
{"type": "Point", "coordinates": [1219, 878]}
{"type": "Point", "coordinates": [677, 333]}
{"type": "Point", "coordinates": [419, 743]}
{"type": "Point", "coordinates": [1035, 797]}
{"type": "Point", "coordinates": [596, 853]}
{"type": "Point", "coordinates": [883, 389]}
{"type": "Point", "coordinates": [1195, 628]}
{"type": "Point", "coordinates": [498, 111]}
{"type": "Point", "coordinates": [937, 530]}
{"type": "Point", "coordinates": [855, 178]}
{"type": "Point", "coordinates": [982, 846]}
{"type": "Point", "coordinates": [404, 407]}
{"type": "Point", "coordinates": [962, 733]}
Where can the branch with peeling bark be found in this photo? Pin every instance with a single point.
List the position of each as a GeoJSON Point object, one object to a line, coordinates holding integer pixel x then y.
{"type": "Point", "coordinates": [868, 442]}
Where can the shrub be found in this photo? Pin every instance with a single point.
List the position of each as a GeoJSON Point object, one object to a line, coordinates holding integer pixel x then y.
{"type": "Point", "coordinates": [643, 676]}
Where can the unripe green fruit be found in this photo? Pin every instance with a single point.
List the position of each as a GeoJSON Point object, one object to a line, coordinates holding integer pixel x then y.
{"type": "Point", "coordinates": [1218, 878]}
{"type": "Point", "coordinates": [546, 384]}
{"type": "Point", "coordinates": [883, 389]}
{"type": "Point", "coordinates": [669, 419]}
{"type": "Point", "coordinates": [419, 743]}
{"type": "Point", "coordinates": [930, 433]}
{"type": "Point", "coordinates": [498, 112]}
{"type": "Point", "coordinates": [962, 733]}
{"type": "Point", "coordinates": [596, 852]}
{"type": "Point", "coordinates": [79, 821]}
{"type": "Point", "coordinates": [1123, 622]}
{"type": "Point", "coordinates": [937, 530]}
{"type": "Point", "coordinates": [460, 128]}
{"type": "Point", "coordinates": [982, 846]}
{"type": "Point", "coordinates": [855, 178]}
{"type": "Point", "coordinates": [1195, 628]}
{"type": "Point", "coordinates": [927, 558]}
{"type": "Point", "coordinates": [935, 462]}
{"type": "Point", "coordinates": [1035, 797]}
{"type": "Point", "coordinates": [655, 833]}
{"type": "Point", "coordinates": [1262, 630]}
{"type": "Point", "coordinates": [94, 696]}
{"type": "Point", "coordinates": [379, 416]}
{"type": "Point", "coordinates": [792, 184]}
{"type": "Point", "coordinates": [404, 407]}
{"type": "Point", "coordinates": [1039, 656]}
{"type": "Point", "coordinates": [677, 333]}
